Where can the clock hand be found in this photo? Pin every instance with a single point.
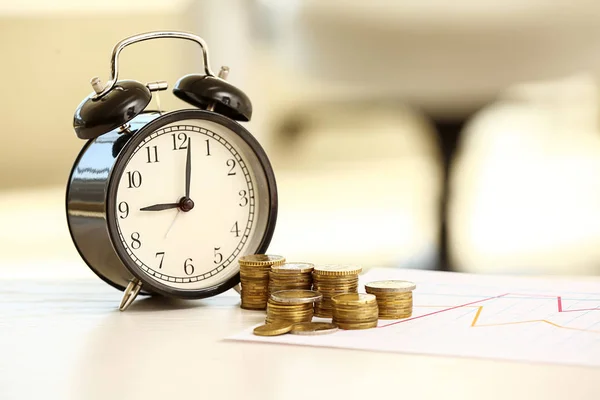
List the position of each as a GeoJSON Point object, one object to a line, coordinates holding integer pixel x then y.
{"type": "Point", "coordinates": [160, 207]}
{"type": "Point", "coordinates": [188, 168]}
{"type": "Point", "coordinates": [172, 223]}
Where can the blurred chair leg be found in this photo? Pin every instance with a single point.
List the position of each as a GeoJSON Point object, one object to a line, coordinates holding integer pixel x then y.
{"type": "Point", "coordinates": [449, 133]}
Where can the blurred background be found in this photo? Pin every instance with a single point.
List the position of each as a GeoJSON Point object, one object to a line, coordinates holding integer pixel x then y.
{"type": "Point", "coordinates": [457, 135]}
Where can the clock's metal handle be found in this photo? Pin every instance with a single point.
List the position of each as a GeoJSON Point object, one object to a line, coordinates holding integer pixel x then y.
{"type": "Point", "coordinates": [114, 62]}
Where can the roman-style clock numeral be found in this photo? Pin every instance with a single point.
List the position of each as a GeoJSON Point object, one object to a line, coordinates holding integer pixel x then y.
{"type": "Point", "coordinates": [180, 141]}
{"type": "Point", "coordinates": [135, 241]}
{"type": "Point", "coordinates": [135, 179]}
{"type": "Point", "coordinates": [160, 254]}
{"type": "Point", "coordinates": [152, 154]}
{"type": "Point", "coordinates": [235, 229]}
{"type": "Point", "coordinates": [123, 209]}
{"type": "Point", "coordinates": [231, 164]}
{"type": "Point", "coordinates": [218, 256]}
{"type": "Point", "coordinates": [243, 198]}
{"type": "Point", "coordinates": [188, 268]}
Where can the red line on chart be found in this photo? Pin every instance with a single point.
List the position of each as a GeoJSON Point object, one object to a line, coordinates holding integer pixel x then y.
{"type": "Point", "coordinates": [444, 310]}
{"type": "Point", "coordinates": [560, 309]}
{"type": "Point", "coordinates": [559, 299]}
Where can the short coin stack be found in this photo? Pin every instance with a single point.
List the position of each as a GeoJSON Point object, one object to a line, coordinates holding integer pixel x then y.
{"type": "Point", "coordinates": [331, 280]}
{"type": "Point", "coordinates": [394, 298]}
{"type": "Point", "coordinates": [355, 310]}
{"type": "Point", "coordinates": [254, 277]}
{"type": "Point", "coordinates": [292, 306]}
{"type": "Point", "coordinates": [290, 276]}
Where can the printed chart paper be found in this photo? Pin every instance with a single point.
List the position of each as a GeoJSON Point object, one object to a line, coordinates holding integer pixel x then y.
{"type": "Point", "coordinates": [485, 316]}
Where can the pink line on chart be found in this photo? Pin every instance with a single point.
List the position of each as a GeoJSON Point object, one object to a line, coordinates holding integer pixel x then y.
{"type": "Point", "coordinates": [444, 310]}
{"type": "Point", "coordinates": [559, 299]}
{"type": "Point", "coordinates": [560, 309]}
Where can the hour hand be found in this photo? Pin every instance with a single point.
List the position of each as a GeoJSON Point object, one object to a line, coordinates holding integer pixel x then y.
{"type": "Point", "coordinates": [160, 207]}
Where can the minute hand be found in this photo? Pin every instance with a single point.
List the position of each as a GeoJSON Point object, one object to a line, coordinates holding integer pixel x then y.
{"type": "Point", "coordinates": [160, 207]}
{"type": "Point", "coordinates": [188, 169]}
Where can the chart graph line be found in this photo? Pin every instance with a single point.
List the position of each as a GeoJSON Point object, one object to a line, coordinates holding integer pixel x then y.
{"type": "Point", "coordinates": [444, 310]}
{"type": "Point", "coordinates": [474, 323]}
{"type": "Point", "coordinates": [560, 307]}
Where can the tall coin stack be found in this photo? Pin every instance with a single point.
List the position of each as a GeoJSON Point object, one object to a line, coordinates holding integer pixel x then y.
{"type": "Point", "coordinates": [292, 306]}
{"type": "Point", "coordinates": [331, 280]}
{"type": "Point", "coordinates": [355, 311]}
{"type": "Point", "coordinates": [254, 279]}
{"type": "Point", "coordinates": [394, 298]}
{"type": "Point", "coordinates": [290, 276]}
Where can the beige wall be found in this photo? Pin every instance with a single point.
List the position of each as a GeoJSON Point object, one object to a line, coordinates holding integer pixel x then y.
{"type": "Point", "coordinates": [46, 65]}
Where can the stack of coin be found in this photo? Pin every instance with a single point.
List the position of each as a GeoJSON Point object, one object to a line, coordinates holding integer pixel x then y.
{"type": "Point", "coordinates": [254, 278]}
{"type": "Point", "coordinates": [330, 280]}
{"type": "Point", "coordinates": [292, 306]}
{"type": "Point", "coordinates": [394, 298]}
{"type": "Point", "coordinates": [355, 310]}
{"type": "Point", "coordinates": [290, 276]}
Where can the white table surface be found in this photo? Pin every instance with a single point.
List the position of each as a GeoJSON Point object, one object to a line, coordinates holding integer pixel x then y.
{"type": "Point", "coordinates": [61, 337]}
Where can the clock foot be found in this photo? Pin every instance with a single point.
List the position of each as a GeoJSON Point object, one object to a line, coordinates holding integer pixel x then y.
{"type": "Point", "coordinates": [131, 293]}
{"type": "Point", "coordinates": [237, 288]}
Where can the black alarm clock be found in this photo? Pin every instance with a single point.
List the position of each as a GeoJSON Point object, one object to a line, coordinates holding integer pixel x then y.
{"type": "Point", "coordinates": [166, 203]}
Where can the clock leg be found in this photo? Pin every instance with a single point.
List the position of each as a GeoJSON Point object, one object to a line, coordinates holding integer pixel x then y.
{"type": "Point", "coordinates": [131, 293]}
{"type": "Point", "coordinates": [237, 288]}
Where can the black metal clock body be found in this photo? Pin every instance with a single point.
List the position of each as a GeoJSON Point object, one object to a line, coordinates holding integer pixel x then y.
{"type": "Point", "coordinates": [167, 203]}
{"type": "Point", "coordinates": [92, 208]}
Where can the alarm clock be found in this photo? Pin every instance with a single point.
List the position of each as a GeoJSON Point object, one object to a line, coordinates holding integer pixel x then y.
{"type": "Point", "coordinates": [165, 203]}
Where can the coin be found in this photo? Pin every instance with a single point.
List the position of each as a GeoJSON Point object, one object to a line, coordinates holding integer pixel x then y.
{"type": "Point", "coordinates": [352, 299]}
{"type": "Point", "coordinates": [296, 296]}
{"type": "Point", "coordinates": [293, 268]}
{"type": "Point", "coordinates": [331, 285]}
{"type": "Point", "coordinates": [391, 286]}
{"type": "Point", "coordinates": [313, 328]}
{"type": "Point", "coordinates": [280, 311]}
{"type": "Point", "coordinates": [273, 329]}
{"type": "Point", "coordinates": [361, 325]}
{"type": "Point", "coordinates": [334, 269]}
{"type": "Point", "coordinates": [261, 260]}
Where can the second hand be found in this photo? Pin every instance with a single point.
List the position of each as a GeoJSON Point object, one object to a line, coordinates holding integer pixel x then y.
{"type": "Point", "coordinates": [172, 223]}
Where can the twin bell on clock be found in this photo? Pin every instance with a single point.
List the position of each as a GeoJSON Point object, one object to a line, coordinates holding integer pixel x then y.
{"type": "Point", "coordinates": [166, 203]}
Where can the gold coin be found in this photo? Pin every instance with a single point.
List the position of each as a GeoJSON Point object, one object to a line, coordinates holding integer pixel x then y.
{"type": "Point", "coordinates": [391, 286]}
{"type": "Point", "coordinates": [395, 316]}
{"type": "Point", "coordinates": [273, 329]}
{"type": "Point", "coordinates": [337, 270]}
{"type": "Point", "coordinates": [293, 268]}
{"type": "Point", "coordinates": [259, 260]}
{"type": "Point", "coordinates": [296, 296]}
{"type": "Point", "coordinates": [313, 328]}
{"type": "Point", "coordinates": [351, 299]}
{"type": "Point", "coordinates": [361, 325]}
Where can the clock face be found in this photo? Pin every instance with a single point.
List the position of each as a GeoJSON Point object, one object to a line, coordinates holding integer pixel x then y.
{"type": "Point", "coordinates": [190, 197]}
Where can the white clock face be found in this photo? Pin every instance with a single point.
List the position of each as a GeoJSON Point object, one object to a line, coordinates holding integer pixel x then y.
{"type": "Point", "coordinates": [173, 242]}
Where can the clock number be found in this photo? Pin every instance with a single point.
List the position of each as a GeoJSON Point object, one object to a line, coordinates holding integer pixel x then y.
{"type": "Point", "coordinates": [152, 153]}
{"type": "Point", "coordinates": [135, 244]}
{"type": "Point", "coordinates": [123, 209]}
{"type": "Point", "coordinates": [231, 163]}
{"type": "Point", "coordinates": [188, 268]}
{"type": "Point", "coordinates": [162, 257]}
{"type": "Point", "coordinates": [244, 198]}
{"type": "Point", "coordinates": [235, 229]}
{"type": "Point", "coordinates": [180, 141]}
{"type": "Point", "coordinates": [135, 179]}
{"type": "Point", "coordinates": [207, 147]}
{"type": "Point", "coordinates": [218, 256]}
